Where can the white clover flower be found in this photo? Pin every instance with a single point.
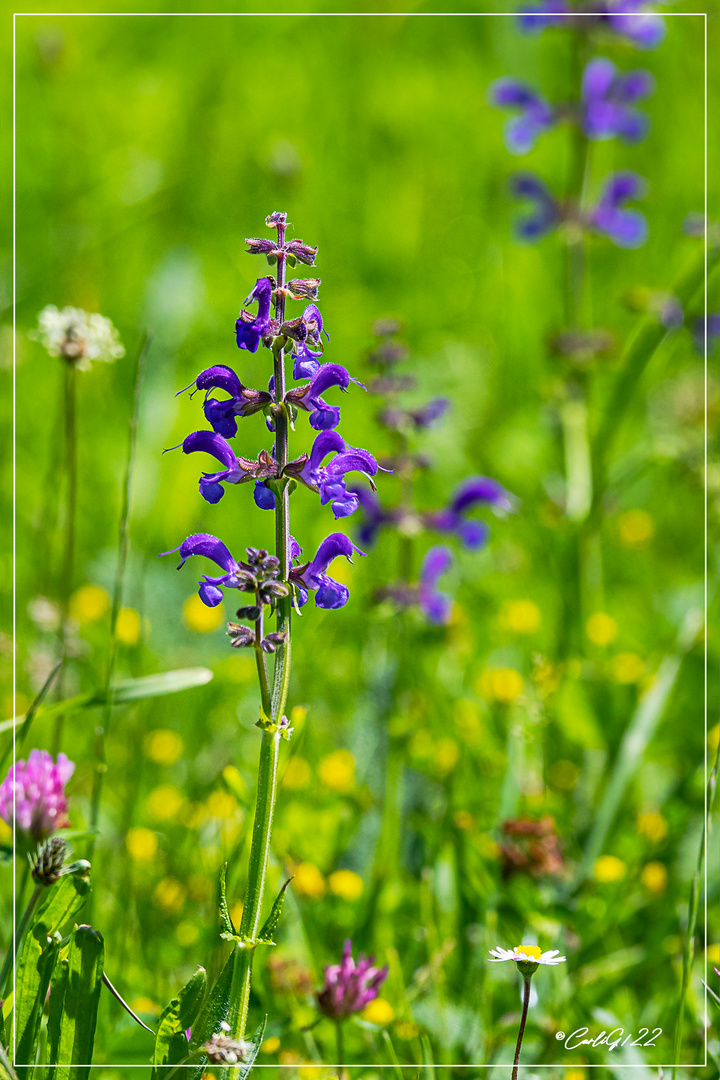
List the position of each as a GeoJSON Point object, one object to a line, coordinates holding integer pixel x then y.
{"type": "Point", "coordinates": [77, 336]}
{"type": "Point", "coordinates": [526, 954]}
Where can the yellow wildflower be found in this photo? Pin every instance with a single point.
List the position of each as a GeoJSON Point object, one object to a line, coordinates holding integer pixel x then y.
{"type": "Point", "coordinates": [89, 603]}
{"type": "Point", "coordinates": [520, 616]}
{"type": "Point", "coordinates": [270, 1046]}
{"type": "Point", "coordinates": [346, 884]}
{"type": "Point", "coordinates": [297, 774]}
{"type": "Point", "coordinates": [654, 877]}
{"type": "Point", "coordinates": [128, 626]}
{"type": "Point", "coordinates": [501, 684]}
{"type": "Point", "coordinates": [169, 895]}
{"type": "Point", "coordinates": [379, 1011]}
{"type": "Point", "coordinates": [164, 802]}
{"type": "Point", "coordinates": [202, 619]}
{"type": "Point", "coordinates": [652, 825]}
{"type": "Point", "coordinates": [308, 881]}
{"type": "Point", "coordinates": [187, 933]}
{"type": "Point", "coordinates": [636, 528]}
{"type": "Point", "coordinates": [142, 844]}
{"type": "Point", "coordinates": [608, 868]}
{"type": "Point", "coordinates": [601, 628]}
{"type": "Point", "coordinates": [163, 746]}
{"type": "Point", "coordinates": [337, 771]}
{"type": "Point", "coordinates": [627, 667]}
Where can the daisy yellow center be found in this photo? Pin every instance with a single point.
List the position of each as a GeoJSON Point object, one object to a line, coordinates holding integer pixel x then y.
{"type": "Point", "coordinates": [532, 952]}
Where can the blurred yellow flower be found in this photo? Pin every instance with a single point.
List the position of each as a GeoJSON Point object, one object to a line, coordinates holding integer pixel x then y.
{"type": "Point", "coordinates": [308, 881]}
{"type": "Point", "coordinates": [5, 831]}
{"type": "Point", "coordinates": [447, 755]}
{"type": "Point", "coordinates": [142, 844]}
{"type": "Point", "coordinates": [627, 667]}
{"type": "Point", "coordinates": [221, 804]}
{"type": "Point", "coordinates": [346, 884]}
{"type": "Point", "coordinates": [187, 933]}
{"type": "Point", "coordinates": [713, 954]}
{"type": "Point", "coordinates": [169, 895]}
{"type": "Point", "coordinates": [563, 774]}
{"type": "Point", "coordinates": [520, 616]}
{"type": "Point", "coordinates": [574, 1074]}
{"type": "Point", "coordinates": [234, 780]}
{"type": "Point", "coordinates": [128, 626]}
{"type": "Point", "coordinates": [297, 774]}
{"type": "Point", "coordinates": [636, 528]}
{"type": "Point", "coordinates": [463, 819]}
{"type": "Point", "coordinates": [145, 1005]}
{"type": "Point", "coordinates": [601, 628]}
{"type": "Point", "coordinates": [163, 746]}
{"type": "Point", "coordinates": [165, 802]}
{"type": "Point", "coordinates": [200, 618]}
{"type": "Point", "coordinates": [654, 877]}
{"type": "Point", "coordinates": [608, 868]}
{"type": "Point", "coordinates": [298, 714]}
{"type": "Point", "coordinates": [270, 1046]}
{"type": "Point", "coordinates": [714, 737]}
{"type": "Point", "coordinates": [406, 1030]}
{"type": "Point", "coordinates": [501, 684]}
{"type": "Point", "coordinates": [337, 771]}
{"type": "Point", "coordinates": [652, 825]}
{"type": "Point", "coordinates": [89, 603]}
{"type": "Point", "coordinates": [379, 1011]}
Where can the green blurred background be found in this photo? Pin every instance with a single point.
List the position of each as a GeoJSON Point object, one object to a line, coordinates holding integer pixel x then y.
{"type": "Point", "coordinates": [147, 149]}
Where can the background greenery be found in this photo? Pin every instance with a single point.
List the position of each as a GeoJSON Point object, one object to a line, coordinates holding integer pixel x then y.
{"type": "Point", "coordinates": [147, 149]}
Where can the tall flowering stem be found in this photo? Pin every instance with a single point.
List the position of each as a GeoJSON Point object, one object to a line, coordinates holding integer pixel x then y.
{"type": "Point", "coordinates": [275, 582]}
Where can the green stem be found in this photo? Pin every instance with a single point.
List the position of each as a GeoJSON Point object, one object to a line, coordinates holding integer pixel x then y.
{"type": "Point", "coordinates": [269, 748]}
{"type": "Point", "coordinates": [521, 1032]}
{"type": "Point", "coordinates": [693, 905]}
{"type": "Point", "coordinates": [340, 1042]}
{"type": "Point", "coordinates": [102, 731]}
{"type": "Point", "coordinates": [12, 953]}
{"type": "Point", "coordinates": [65, 591]}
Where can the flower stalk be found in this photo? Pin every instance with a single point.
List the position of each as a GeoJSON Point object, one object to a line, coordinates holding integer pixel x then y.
{"type": "Point", "coordinates": [523, 1019]}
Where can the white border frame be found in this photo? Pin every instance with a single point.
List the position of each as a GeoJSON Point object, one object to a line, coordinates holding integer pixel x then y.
{"type": "Point", "coordinates": [397, 14]}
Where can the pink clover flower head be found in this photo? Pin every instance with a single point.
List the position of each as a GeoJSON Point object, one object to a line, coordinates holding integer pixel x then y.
{"type": "Point", "coordinates": [33, 793]}
{"type": "Point", "coordinates": [349, 987]}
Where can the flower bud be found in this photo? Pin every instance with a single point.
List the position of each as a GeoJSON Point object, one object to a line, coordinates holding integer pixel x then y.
{"type": "Point", "coordinates": [252, 614]}
{"type": "Point", "coordinates": [302, 252]}
{"type": "Point", "coordinates": [240, 636]}
{"type": "Point", "coordinates": [257, 246]}
{"type": "Point", "coordinates": [304, 287]}
{"type": "Point", "coordinates": [277, 218]}
{"type": "Point", "coordinates": [48, 864]}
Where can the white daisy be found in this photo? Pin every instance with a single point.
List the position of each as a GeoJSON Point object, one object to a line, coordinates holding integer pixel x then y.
{"type": "Point", "coordinates": [77, 336]}
{"type": "Point", "coordinates": [526, 954]}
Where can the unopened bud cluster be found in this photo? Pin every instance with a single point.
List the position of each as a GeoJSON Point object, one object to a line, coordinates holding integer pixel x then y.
{"type": "Point", "coordinates": [258, 575]}
{"type": "Point", "coordinates": [48, 863]}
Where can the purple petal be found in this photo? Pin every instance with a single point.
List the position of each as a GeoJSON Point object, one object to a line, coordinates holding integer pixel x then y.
{"type": "Point", "coordinates": [207, 545]}
{"type": "Point", "coordinates": [598, 78]}
{"type": "Point", "coordinates": [219, 377]}
{"type": "Point", "coordinates": [480, 489]}
{"type": "Point", "coordinates": [209, 442]}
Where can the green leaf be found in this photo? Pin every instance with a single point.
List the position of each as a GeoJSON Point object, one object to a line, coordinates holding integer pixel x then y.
{"type": "Point", "coordinates": [64, 901]}
{"type": "Point", "coordinates": [171, 1046]}
{"type": "Point", "coordinates": [34, 970]}
{"type": "Point", "coordinates": [265, 936]}
{"type": "Point", "coordinates": [213, 1015]}
{"type": "Point", "coordinates": [228, 929]}
{"type": "Point", "coordinates": [73, 1036]}
{"type": "Point", "coordinates": [148, 686]}
{"type": "Point", "coordinates": [30, 715]}
{"type": "Point", "coordinates": [241, 1071]}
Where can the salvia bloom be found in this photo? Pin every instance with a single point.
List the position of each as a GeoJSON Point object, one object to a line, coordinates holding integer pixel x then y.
{"type": "Point", "coordinates": [477, 489]}
{"type": "Point", "coordinates": [349, 987]}
{"type": "Point", "coordinates": [608, 97]}
{"type": "Point", "coordinates": [33, 794]}
{"type": "Point", "coordinates": [78, 336]}
{"type": "Point", "coordinates": [249, 329]}
{"type": "Point", "coordinates": [628, 19]}
{"type": "Point", "coordinates": [626, 228]}
{"type": "Point", "coordinates": [535, 114]}
{"type": "Point", "coordinates": [329, 480]}
{"type": "Point", "coordinates": [435, 605]}
{"type": "Point", "coordinates": [544, 214]}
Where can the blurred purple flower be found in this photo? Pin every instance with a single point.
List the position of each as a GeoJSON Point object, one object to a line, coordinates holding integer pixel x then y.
{"type": "Point", "coordinates": [436, 605]}
{"type": "Point", "coordinates": [329, 480]}
{"type": "Point", "coordinates": [349, 987]}
{"type": "Point", "coordinates": [328, 593]}
{"type": "Point", "coordinates": [478, 489]}
{"type": "Point", "coordinates": [373, 515]}
{"type": "Point", "coordinates": [210, 591]}
{"type": "Point", "coordinates": [626, 228]}
{"type": "Point", "coordinates": [548, 13]}
{"type": "Point", "coordinates": [607, 99]}
{"type": "Point", "coordinates": [546, 210]}
{"type": "Point", "coordinates": [33, 793]}
{"type": "Point", "coordinates": [250, 328]}
{"type": "Point", "coordinates": [242, 401]}
{"type": "Point", "coordinates": [632, 20]}
{"type": "Point", "coordinates": [713, 332]}
{"type": "Point", "coordinates": [536, 115]}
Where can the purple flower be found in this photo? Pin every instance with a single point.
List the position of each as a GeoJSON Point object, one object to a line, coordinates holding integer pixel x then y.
{"type": "Point", "coordinates": [436, 605]}
{"type": "Point", "coordinates": [329, 480]}
{"type": "Point", "coordinates": [329, 593]}
{"type": "Point", "coordinates": [546, 210]}
{"type": "Point", "coordinates": [248, 328]}
{"type": "Point", "coordinates": [373, 515]}
{"type": "Point", "coordinates": [33, 793]}
{"type": "Point", "coordinates": [323, 417]}
{"type": "Point", "coordinates": [627, 228]}
{"type": "Point", "coordinates": [548, 13]}
{"type": "Point", "coordinates": [536, 115]}
{"type": "Point", "coordinates": [631, 20]}
{"type": "Point", "coordinates": [478, 489]}
{"type": "Point", "coordinates": [242, 401]}
{"type": "Point", "coordinates": [210, 590]}
{"type": "Point", "coordinates": [208, 442]}
{"type": "Point", "coordinates": [349, 987]}
{"type": "Point", "coordinates": [607, 98]}
{"type": "Point", "coordinates": [305, 361]}
{"type": "Point", "coordinates": [713, 332]}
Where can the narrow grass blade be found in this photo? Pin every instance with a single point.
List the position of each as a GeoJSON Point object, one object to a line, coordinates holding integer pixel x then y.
{"type": "Point", "coordinates": [638, 734]}
{"type": "Point", "coordinates": [30, 716]}
{"type": "Point", "coordinates": [148, 686]}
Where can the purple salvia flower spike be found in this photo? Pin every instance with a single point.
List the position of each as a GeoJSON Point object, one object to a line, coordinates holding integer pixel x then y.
{"type": "Point", "coordinates": [248, 329]}
{"type": "Point", "coordinates": [211, 483]}
{"type": "Point", "coordinates": [436, 605]}
{"type": "Point", "coordinates": [607, 101]}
